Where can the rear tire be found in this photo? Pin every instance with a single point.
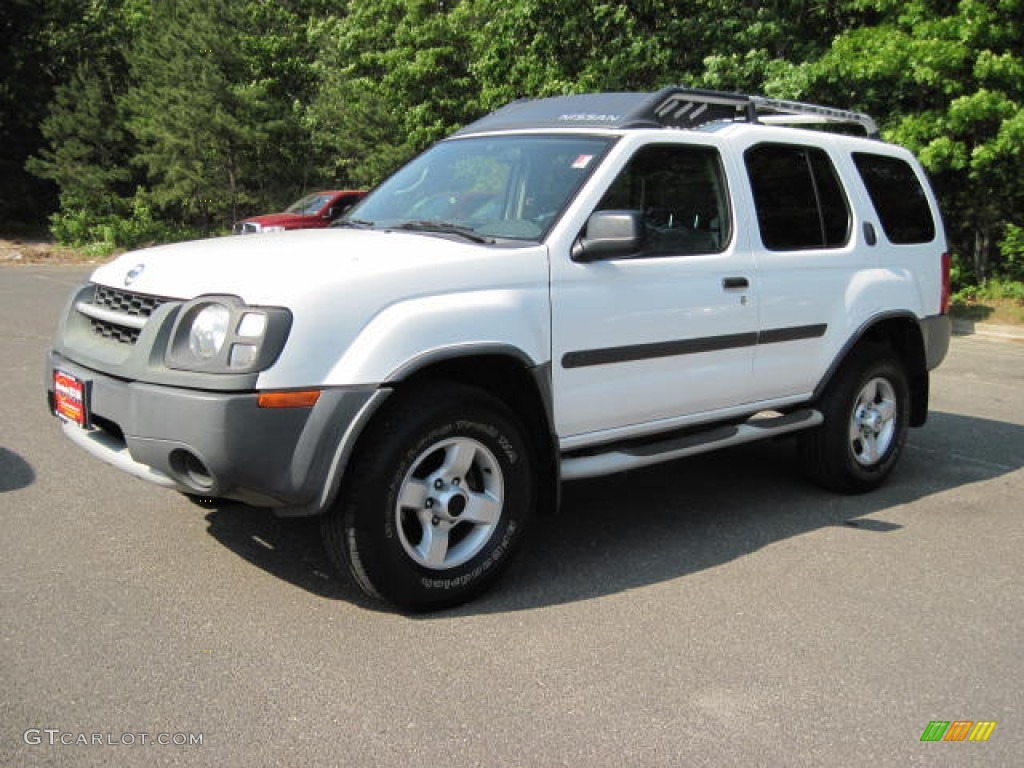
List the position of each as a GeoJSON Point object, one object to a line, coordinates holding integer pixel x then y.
{"type": "Point", "coordinates": [866, 409]}
{"type": "Point", "coordinates": [436, 499]}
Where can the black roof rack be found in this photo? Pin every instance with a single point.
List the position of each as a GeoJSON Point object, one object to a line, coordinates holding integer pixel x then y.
{"type": "Point", "coordinates": [672, 107]}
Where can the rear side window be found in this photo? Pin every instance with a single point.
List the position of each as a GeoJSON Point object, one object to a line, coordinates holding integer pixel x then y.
{"type": "Point", "coordinates": [898, 197]}
{"type": "Point", "coordinates": [799, 200]}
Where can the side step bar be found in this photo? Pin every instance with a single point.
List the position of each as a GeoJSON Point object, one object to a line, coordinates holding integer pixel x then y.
{"type": "Point", "coordinates": [647, 454]}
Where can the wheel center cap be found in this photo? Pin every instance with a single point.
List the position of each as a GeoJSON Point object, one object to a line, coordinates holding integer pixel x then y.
{"type": "Point", "coordinates": [872, 420]}
{"type": "Point", "coordinates": [456, 505]}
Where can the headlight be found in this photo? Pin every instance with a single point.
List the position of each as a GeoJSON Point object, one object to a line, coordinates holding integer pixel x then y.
{"type": "Point", "coordinates": [272, 229]}
{"type": "Point", "coordinates": [221, 334]}
{"type": "Point", "coordinates": [208, 331]}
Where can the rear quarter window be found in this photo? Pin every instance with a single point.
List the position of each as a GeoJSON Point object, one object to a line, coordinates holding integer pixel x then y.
{"type": "Point", "coordinates": [898, 197]}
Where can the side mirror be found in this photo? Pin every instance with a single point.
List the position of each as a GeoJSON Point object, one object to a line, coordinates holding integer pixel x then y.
{"type": "Point", "coordinates": [608, 235]}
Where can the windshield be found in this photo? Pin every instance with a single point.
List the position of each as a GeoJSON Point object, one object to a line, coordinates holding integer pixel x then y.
{"type": "Point", "coordinates": [511, 187]}
{"type": "Point", "coordinates": [308, 205]}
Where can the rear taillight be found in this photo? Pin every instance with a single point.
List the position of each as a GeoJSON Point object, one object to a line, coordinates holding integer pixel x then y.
{"type": "Point", "coordinates": [944, 296]}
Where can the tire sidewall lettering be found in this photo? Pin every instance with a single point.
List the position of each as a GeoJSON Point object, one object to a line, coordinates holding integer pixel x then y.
{"type": "Point", "coordinates": [492, 559]}
{"type": "Point", "coordinates": [504, 449]}
{"type": "Point", "coordinates": [492, 432]}
{"type": "Point", "coordinates": [365, 529]}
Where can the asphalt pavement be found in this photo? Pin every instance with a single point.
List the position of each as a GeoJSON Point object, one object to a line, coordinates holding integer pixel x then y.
{"type": "Point", "coordinates": [715, 611]}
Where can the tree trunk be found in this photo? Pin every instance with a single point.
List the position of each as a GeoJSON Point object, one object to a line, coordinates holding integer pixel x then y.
{"type": "Point", "coordinates": [982, 249]}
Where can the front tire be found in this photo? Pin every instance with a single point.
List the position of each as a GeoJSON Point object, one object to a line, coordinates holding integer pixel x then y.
{"type": "Point", "coordinates": [866, 409]}
{"type": "Point", "coordinates": [436, 500]}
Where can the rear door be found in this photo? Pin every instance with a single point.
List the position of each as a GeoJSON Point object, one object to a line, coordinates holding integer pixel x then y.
{"type": "Point", "coordinates": [808, 252]}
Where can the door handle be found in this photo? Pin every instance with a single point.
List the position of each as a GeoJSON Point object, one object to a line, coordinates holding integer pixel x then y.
{"type": "Point", "coordinates": [735, 283]}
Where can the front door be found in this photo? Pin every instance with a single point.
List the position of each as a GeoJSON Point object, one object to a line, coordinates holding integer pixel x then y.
{"type": "Point", "coordinates": [666, 333]}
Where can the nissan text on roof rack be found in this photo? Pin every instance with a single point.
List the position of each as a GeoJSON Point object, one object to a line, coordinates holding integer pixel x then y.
{"type": "Point", "coordinates": [566, 288]}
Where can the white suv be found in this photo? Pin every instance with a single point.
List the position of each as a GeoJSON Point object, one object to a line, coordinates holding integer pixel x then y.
{"type": "Point", "coordinates": [568, 287]}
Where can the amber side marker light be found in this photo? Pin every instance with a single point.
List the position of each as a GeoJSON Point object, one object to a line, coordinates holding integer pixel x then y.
{"type": "Point", "coordinates": [304, 399]}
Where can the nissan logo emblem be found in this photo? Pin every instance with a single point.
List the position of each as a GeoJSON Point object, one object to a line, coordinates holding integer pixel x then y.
{"type": "Point", "coordinates": [133, 274]}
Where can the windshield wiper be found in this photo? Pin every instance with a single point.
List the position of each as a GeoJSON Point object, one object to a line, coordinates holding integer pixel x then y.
{"type": "Point", "coordinates": [353, 223]}
{"type": "Point", "coordinates": [446, 228]}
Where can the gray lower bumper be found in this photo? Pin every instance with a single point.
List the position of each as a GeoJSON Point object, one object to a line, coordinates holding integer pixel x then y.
{"type": "Point", "coordinates": [222, 444]}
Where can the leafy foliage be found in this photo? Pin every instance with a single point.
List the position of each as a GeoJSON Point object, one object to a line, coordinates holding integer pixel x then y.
{"type": "Point", "coordinates": [1012, 250]}
{"type": "Point", "coordinates": [187, 114]}
{"type": "Point", "coordinates": [100, 234]}
{"type": "Point", "coordinates": [88, 152]}
{"type": "Point", "coordinates": [947, 79]}
{"type": "Point", "coordinates": [202, 117]}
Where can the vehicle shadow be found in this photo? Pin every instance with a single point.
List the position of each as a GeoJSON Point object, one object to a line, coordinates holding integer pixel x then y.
{"type": "Point", "coordinates": [15, 472]}
{"type": "Point", "coordinates": [289, 549]}
{"type": "Point", "coordinates": [650, 526]}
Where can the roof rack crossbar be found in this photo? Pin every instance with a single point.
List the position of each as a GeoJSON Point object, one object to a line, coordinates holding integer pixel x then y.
{"type": "Point", "coordinates": [679, 107]}
{"type": "Point", "coordinates": [783, 108]}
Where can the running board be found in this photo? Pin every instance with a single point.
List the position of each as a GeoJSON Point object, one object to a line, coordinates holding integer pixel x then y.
{"type": "Point", "coordinates": [647, 454]}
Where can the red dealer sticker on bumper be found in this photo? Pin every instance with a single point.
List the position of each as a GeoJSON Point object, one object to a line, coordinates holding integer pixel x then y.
{"type": "Point", "coordinates": [69, 398]}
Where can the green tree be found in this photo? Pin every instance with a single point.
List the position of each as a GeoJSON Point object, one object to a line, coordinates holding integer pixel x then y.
{"type": "Point", "coordinates": [200, 111]}
{"type": "Point", "coordinates": [205, 123]}
{"type": "Point", "coordinates": [750, 46]}
{"type": "Point", "coordinates": [545, 47]}
{"type": "Point", "coordinates": [534, 48]}
{"type": "Point", "coordinates": [398, 74]}
{"type": "Point", "coordinates": [946, 80]}
{"type": "Point", "coordinates": [41, 45]}
{"type": "Point", "coordinates": [88, 149]}
{"type": "Point", "coordinates": [204, 120]}
{"type": "Point", "coordinates": [394, 77]}
{"type": "Point", "coordinates": [278, 46]}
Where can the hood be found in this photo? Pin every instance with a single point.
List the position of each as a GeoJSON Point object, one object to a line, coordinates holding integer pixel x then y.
{"type": "Point", "coordinates": [275, 268]}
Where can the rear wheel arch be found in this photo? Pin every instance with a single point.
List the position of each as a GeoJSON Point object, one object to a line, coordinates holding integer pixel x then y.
{"type": "Point", "coordinates": [899, 335]}
{"type": "Point", "coordinates": [866, 410]}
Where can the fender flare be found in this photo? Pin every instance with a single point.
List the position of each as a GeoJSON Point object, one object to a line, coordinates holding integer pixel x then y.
{"type": "Point", "coordinates": [914, 359]}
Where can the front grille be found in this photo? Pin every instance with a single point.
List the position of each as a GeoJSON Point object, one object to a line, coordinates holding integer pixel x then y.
{"type": "Point", "coordinates": [124, 303]}
{"type": "Point", "coordinates": [114, 332]}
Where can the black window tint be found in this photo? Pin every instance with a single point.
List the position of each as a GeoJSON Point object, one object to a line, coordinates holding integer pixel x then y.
{"type": "Point", "coordinates": [898, 198]}
{"type": "Point", "coordinates": [835, 213]}
{"type": "Point", "coordinates": [799, 200]}
{"type": "Point", "coordinates": [682, 195]}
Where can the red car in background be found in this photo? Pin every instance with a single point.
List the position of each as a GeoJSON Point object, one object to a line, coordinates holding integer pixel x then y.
{"type": "Point", "coordinates": [313, 211]}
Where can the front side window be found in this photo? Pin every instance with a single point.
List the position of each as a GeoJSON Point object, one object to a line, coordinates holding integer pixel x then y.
{"type": "Point", "coordinates": [898, 198]}
{"type": "Point", "coordinates": [681, 193]}
{"type": "Point", "coordinates": [512, 187]}
{"type": "Point", "coordinates": [799, 201]}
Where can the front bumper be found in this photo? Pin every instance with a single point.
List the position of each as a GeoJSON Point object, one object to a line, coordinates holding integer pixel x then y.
{"type": "Point", "coordinates": [221, 444]}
